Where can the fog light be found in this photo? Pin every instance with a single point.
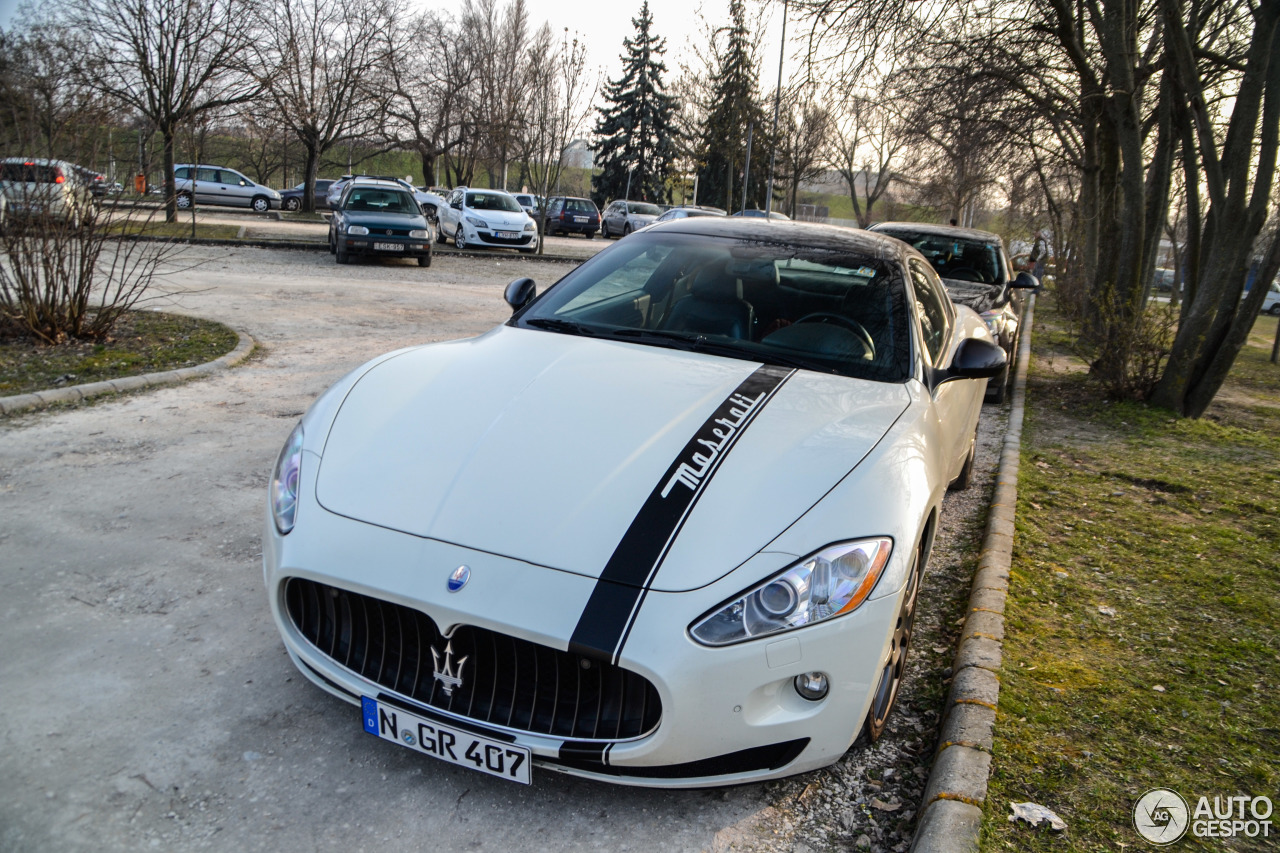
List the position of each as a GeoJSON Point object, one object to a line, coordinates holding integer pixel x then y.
{"type": "Point", "coordinates": [812, 685]}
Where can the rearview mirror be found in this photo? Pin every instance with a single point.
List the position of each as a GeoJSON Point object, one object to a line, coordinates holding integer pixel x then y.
{"type": "Point", "coordinates": [520, 293]}
{"type": "Point", "coordinates": [975, 359]}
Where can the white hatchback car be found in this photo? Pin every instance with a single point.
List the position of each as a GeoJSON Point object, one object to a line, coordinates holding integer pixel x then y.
{"type": "Point", "coordinates": [34, 187]}
{"type": "Point", "coordinates": [474, 217]}
{"type": "Point", "coordinates": [666, 526]}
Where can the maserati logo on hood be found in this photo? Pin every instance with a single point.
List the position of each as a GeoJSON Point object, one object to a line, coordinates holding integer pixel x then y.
{"type": "Point", "coordinates": [450, 674]}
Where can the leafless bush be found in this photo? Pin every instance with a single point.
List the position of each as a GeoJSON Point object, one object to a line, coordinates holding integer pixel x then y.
{"type": "Point", "coordinates": [1126, 350]}
{"type": "Point", "coordinates": [66, 277]}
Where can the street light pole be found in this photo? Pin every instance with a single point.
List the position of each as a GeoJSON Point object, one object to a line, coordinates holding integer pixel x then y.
{"type": "Point", "coordinates": [777, 102]}
{"type": "Point", "coordinates": [630, 169]}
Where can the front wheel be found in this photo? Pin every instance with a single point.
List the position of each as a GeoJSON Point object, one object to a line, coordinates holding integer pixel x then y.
{"type": "Point", "coordinates": [292, 204]}
{"type": "Point", "coordinates": [626, 229]}
{"type": "Point", "coordinates": [184, 201]}
{"type": "Point", "coordinates": [341, 254]}
{"type": "Point", "coordinates": [1275, 309]}
{"type": "Point", "coordinates": [261, 204]}
{"type": "Point", "coordinates": [424, 260]}
{"type": "Point", "coordinates": [895, 664]}
{"type": "Point", "coordinates": [458, 239]}
{"type": "Point", "coordinates": [604, 231]}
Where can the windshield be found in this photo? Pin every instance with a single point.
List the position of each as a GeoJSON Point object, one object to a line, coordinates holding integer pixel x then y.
{"type": "Point", "coordinates": [955, 258]}
{"type": "Point", "coordinates": [791, 305]}
{"type": "Point", "coordinates": [381, 201]}
{"type": "Point", "coordinates": [493, 201]}
{"type": "Point", "coordinates": [643, 208]}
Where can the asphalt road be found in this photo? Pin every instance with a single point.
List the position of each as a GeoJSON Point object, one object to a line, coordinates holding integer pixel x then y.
{"type": "Point", "coordinates": [146, 701]}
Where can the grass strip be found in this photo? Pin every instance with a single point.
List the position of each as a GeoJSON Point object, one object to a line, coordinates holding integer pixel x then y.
{"type": "Point", "coordinates": [1141, 647]}
{"type": "Point", "coordinates": [142, 342]}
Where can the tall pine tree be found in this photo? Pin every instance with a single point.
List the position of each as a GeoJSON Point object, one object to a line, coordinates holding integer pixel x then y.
{"type": "Point", "coordinates": [734, 107]}
{"type": "Point", "coordinates": [637, 123]}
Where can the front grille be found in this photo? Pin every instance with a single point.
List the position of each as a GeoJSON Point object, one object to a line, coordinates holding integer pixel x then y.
{"type": "Point", "coordinates": [506, 682]}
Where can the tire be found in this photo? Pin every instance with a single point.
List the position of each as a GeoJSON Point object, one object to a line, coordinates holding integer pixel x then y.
{"type": "Point", "coordinates": [590, 234]}
{"type": "Point", "coordinates": [894, 667]}
{"type": "Point", "coordinates": [965, 478]}
{"type": "Point", "coordinates": [459, 239]}
{"type": "Point", "coordinates": [440, 238]}
{"type": "Point", "coordinates": [424, 260]}
{"type": "Point", "coordinates": [260, 203]}
{"type": "Point", "coordinates": [292, 204]}
{"type": "Point", "coordinates": [626, 230]}
{"type": "Point", "coordinates": [1274, 309]}
{"type": "Point", "coordinates": [184, 201]}
{"type": "Point", "coordinates": [997, 387]}
{"type": "Point", "coordinates": [333, 247]}
{"type": "Point", "coordinates": [528, 251]}
{"type": "Point", "coordinates": [604, 230]}
{"type": "Point", "coordinates": [341, 255]}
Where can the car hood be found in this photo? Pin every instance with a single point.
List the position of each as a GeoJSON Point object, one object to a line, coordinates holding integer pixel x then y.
{"type": "Point", "coordinates": [980, 297]}
{"type": "Point", "coordinates": [544, 447]}
{"type": "Point", "coordinates": [503, 220]}
{"type": "Point", "coordinates": [381, 221]}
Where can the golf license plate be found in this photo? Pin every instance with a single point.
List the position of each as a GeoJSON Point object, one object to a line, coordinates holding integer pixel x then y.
{"type": "Point", "coordinates": [390, 722]}
{"type": "Point", "coordinates": [508, 235]}
{"type": "Point", "coordinates": [388, 247]}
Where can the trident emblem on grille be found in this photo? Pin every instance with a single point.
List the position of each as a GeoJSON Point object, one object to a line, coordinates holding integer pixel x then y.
{"type": "Point", "coordinates": [449, 675]}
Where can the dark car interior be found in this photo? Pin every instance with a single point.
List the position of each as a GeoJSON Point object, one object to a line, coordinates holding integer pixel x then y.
{"type": "Point", "coordinates": [836, 313]}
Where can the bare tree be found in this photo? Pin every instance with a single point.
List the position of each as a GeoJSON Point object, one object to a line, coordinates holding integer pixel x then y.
{"type": "Point", "coordinates": [316, 61]}
{"type": "Point", "coordinates": [169, 60]}
{"type": "Point", "coordinates": [559, 105]}
{"type": "Point", "coordinates": [864, 148]}
{"type": "Point", "coordinates": [432, 67]}
{"type": "Point", "coordinates": [803, 134]}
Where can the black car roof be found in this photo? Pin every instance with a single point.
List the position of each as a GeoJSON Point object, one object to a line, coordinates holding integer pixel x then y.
{"type": "Point", "coordinates": [940, 231]}
{"type": "Point", "coordinates": [830, 237]}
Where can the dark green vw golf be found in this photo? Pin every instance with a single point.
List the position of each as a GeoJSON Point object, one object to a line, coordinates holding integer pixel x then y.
{"type": "Point", "coordinates": [378, 217]}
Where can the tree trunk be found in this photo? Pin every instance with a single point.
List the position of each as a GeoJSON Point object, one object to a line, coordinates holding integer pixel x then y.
{"type": "Point", "coordinates": [170, 184]}
{"type": "Point", "coordinates": [309, 169]}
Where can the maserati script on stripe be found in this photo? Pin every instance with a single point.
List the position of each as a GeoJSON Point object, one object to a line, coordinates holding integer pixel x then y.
{"type": "Point", "coordinates": [666, 526]}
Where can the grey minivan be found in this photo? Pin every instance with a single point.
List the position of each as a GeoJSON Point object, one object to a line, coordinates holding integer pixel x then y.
{"type": "Point", "coordinates": [220, 185]}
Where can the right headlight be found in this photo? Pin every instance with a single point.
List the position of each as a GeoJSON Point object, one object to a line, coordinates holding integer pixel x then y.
{"type": "Point", "coordinates": [478, 223]}
{"type": "Point", "coordinates": [830, 583]}
{"type": "Point", "coordinates": [284, 482]}
{"type": "Point", "coordinates": [357, 230]}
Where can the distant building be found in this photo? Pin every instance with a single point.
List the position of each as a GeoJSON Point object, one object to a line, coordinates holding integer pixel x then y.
{"type": "Point", "coordinates": [577, 155]}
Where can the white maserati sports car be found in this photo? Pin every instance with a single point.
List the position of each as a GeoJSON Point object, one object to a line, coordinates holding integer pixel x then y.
{"type": "Point", "coordinates": [666, 526]}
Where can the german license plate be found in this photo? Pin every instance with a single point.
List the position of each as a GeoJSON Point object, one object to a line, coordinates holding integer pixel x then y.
{"type": "Point", "coordinates": [507, 235]}
{"type": "Point", "coordinates": [388, 247]}
{"type": "Point", "coordinates": [494, 757]}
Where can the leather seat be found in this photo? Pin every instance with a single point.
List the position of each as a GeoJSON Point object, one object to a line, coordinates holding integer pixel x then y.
{"type": "Point", "coordinates": [714, 306]}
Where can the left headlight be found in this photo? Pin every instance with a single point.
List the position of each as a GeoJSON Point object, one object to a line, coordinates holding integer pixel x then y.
{"type": "Point", "coordinates": [992, 319]}
{"type": "Point", "coordinates": [529, 226]}
{"type": "Point", "coordinates": [830, 583]}
{"type": "Point", "coordinates": [419, 234]}
{"type": "Point", "coordinates": [357, 230]}
{"type": "Point", "coordinates": [284, 482]}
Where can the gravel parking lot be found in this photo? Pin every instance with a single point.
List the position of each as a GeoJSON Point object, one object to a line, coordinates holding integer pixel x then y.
{"type": "Point", "coordinates": [148, 702]}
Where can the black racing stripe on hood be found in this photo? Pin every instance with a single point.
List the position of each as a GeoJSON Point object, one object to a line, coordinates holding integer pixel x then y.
{"type": "Point", "coordinates": [605, 622]}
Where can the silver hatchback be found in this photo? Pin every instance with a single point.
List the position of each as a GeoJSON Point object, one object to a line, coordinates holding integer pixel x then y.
{"type": "Point", "coordinates": [220, 185]}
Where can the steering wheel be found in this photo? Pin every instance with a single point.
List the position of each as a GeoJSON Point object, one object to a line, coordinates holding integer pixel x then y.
{"type": "Point", "coordinates": [844, 322]}
{"type": "Point", "coordinates": [966, 274]}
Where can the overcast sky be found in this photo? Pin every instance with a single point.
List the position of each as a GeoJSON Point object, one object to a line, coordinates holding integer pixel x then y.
{"type": "Point", "coordinates": [603, 26]}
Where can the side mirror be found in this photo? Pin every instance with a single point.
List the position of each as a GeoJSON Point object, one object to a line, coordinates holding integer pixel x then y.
{"type": "Point", "coordinates": [1025, 281]}
{"type": "Point", "coordinates": [457, 205]}
{"type": "Point", "coordinates": [520, 293]}
{"type": "Point", "coordinates": [975, 359]}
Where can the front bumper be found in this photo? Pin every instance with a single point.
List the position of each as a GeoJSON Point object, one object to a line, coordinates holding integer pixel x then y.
{"type": "Point", "coordinates": [409, 247]}
{"type": "Point", "coordinates": [489, 237]}
{"type": "Point", "coordinates": [729, 714]}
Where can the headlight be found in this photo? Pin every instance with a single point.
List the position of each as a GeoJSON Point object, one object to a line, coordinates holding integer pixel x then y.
{"type": "Point", "coordinates": [992, 319]}
{"type": "Point", "coordinates": [284, 482]}
{"type": "Point", "coordinates": [419, 234]}
{"type": "Point", "coordinates": [529, 226]}
{"type": "Point", "coordinates": [828, 584]}
{"type": "Point", "coordinates": [479, 223]}
{"type": "Point", "coordinates": [357, 230]}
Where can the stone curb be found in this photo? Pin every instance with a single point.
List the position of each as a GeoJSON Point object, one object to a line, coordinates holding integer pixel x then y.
{"type": "Point", "coordinates": [951, 811]}
{"type": "Point", "coordinates": [76, 393]}
{"type": "Point", "coordinates": [315, 245]}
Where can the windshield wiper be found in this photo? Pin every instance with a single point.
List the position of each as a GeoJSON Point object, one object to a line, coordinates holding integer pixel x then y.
{"type": "Point", "coordinates": [568, 327]}
{"type": "Point", "coordinates": [693, 342]}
